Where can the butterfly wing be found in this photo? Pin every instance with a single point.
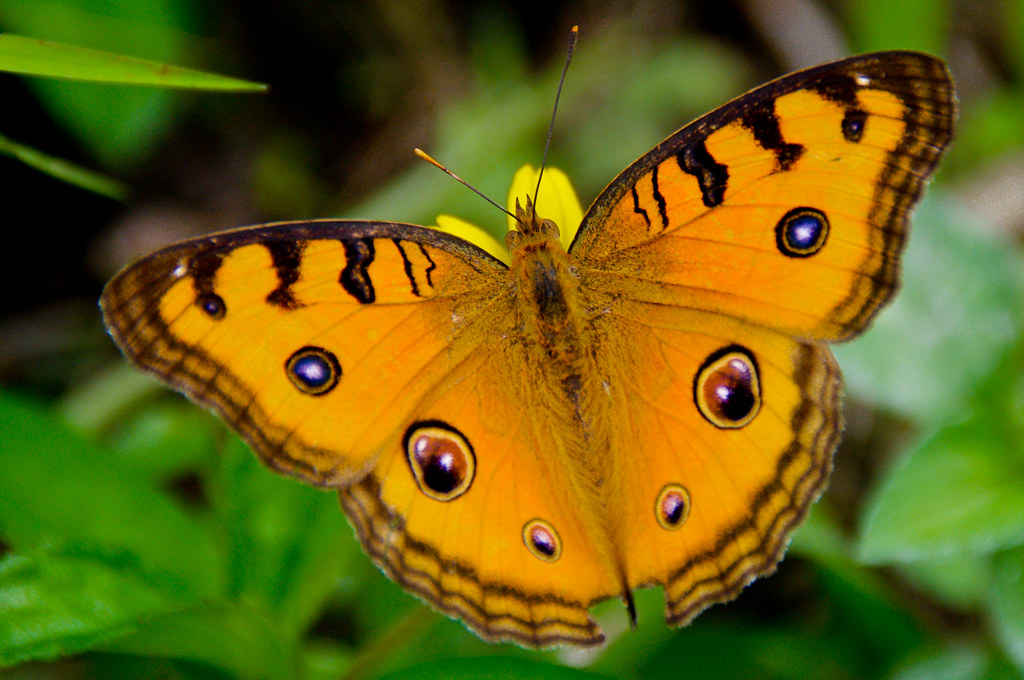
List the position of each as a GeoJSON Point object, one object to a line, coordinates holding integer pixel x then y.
{"type": "Point", "coordinates": [514, 556]}
{"type": "Point", "coordinates": [381, 359]}
{"type": "Point", "coordinates": [262, 324]}
{"type": "Point", "coordinates": [788, 206]}
{"type": "Point", "coordinates": [724, 432]}
{"type": "Point", "coordinates": [716, 267]}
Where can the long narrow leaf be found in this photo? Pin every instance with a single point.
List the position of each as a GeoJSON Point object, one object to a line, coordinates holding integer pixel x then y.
{"type": "Point", "coordinates": [64, 170]}
{"type": "Point", "coordinates": [19, 54]}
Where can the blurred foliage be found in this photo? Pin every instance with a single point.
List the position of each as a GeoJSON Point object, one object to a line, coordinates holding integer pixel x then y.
{"type": "Point", "coordinates": [138, 538]}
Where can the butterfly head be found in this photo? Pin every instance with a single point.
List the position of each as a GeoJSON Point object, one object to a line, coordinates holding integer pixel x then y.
{"type": "Point", "coordinates": [530, 228]}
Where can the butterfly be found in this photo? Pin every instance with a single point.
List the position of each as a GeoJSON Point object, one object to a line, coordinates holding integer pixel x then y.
{"type": "Point", "coordinates": [655, 405]}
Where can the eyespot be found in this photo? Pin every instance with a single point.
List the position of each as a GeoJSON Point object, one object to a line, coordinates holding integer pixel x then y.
{"type": "Point", "coordinates": [313, 370]}
{"type": "Point", "coordinates": [541, 539]}
{"type": "Point", "coordinates": [672, 507]}
{"type": "Point", "coordinates": [212, 305]}
{"type": "Point", "coordinates": [854, 121]}
{"type": "Point", "coordinates": [727, 388]}
{"type": "Point", "coordinates": [441, 459]}
{"type": "Point", "coordinates": [801, 232]}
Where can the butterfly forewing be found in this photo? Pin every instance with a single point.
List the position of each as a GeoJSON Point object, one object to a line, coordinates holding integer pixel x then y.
{"type": "Point", "coordinates": [787, 207]}
{"type": "Point", "coordinates": [288, 330]}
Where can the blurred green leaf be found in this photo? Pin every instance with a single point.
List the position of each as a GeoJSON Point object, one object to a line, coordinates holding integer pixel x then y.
{"type": "Point", "coordinates": [961, 581]}
{"type": "Point", "coordinates": [233, 638]}
{"type": "Point", "coordinates": [906, 25]}
{"type": "Point", "coordinates": [52, 606]}
{"type": "Point", "coordinates": [60, 491]}
{"type": "Point", "coordinates": [960, 491]}
{"type": "Point", "coordinates": [288, 543]}
{"type": "Point", "coordinates": [30, 56]}
{"type": "Point", "coordinates": [959, 662]}
{"type": "Point", "coordinates": [1013, 30]}
{"type": "Point", "coordinates": [1006, 607]}
{"type": "Point", "coordinates": [101, 401]}
{"type": "Point", "coordinates": [726, 651]}
{"type": "Point", "coordinates": [64, 170]}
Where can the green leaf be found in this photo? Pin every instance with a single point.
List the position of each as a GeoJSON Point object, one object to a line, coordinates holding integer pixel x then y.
{"type": "Point", "coordinates": [30, 56]}
{"type": "Point", "coordinates": [60, 491]}
{"type": "Point", "coordinates": [960, 492]}
{"type": "Point", "coordinates": [1006, 606]}
{"type": "Point", "coordinates": [948, 663]}
{"type": "Point", "coordinates": [905, 25]}
{"type": "Point", "coordinates": [231, 637]}
{"type": "Point", "coordinates": [64, 170]}
{"type": "Point", "coordinates": [51, 606]}
{"type": "Point", "coordinates": [961, 581]}
{"type": "Point", "coordinates": [288, 542]}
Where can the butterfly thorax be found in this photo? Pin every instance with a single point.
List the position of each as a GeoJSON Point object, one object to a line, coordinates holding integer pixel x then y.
{"type": "Point", "coordinates": [546, 290]}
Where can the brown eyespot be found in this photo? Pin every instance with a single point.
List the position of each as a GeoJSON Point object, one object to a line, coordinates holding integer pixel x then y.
{"type": "Point", "coordinates": [441, 459]}
{"type": "Point", "coordinates": [541, 539]}
{"type": "Point", "coordinates": [727, 388]}
{"type": "Point", "coordinates": [672, 507]}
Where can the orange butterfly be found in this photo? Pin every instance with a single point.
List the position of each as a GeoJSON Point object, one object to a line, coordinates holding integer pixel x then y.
{"type": "Point", "coordinates": [655, 405]}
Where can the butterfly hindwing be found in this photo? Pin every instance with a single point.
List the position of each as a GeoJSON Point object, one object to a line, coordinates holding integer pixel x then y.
{"type": "Point", "coordinates": [724, 433]}
{"type": "Point", "coordinates": [508, 547]}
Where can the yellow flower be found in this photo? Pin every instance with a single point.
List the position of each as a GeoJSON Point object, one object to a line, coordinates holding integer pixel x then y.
{"type": "Point", "coordinates": [556, 201]}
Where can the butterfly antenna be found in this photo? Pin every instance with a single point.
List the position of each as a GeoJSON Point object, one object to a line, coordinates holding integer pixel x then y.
{"type": "Point", "coordinates": [425, 156]}
{"type": "Point", "coordinates": [573, 34]}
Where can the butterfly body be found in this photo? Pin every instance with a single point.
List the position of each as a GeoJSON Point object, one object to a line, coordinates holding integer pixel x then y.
{"type": "Point", "coordinates": [654, 405]}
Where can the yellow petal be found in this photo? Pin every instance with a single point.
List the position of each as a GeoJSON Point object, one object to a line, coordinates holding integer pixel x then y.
{"type": "Point", "coordinates": [556, 201]}
{"type": "Point", "coordinates": [474, 234]}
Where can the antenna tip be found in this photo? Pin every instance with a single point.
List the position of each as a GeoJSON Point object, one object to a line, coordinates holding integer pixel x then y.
{"type": "Point", "coordinates": [425, 156]}
{"type": "Point", "coordinates": [575, 29]}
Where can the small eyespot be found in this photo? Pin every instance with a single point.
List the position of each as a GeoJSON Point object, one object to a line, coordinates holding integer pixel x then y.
{"type": "Point", "coordinates": [313, 370]}
{"type": "Point", "coordinates": [672, 507]}
{"type": "Point", "coordinates": [541, 539]}
{"type": "Point", "coordinates": [212, 305]}
{"type": "Point", "coordinates": [441, 459]}
{"type": "Point", "coordinates": [727, 388]}
{"type": "Point", "coordinates": [854, 121]}
{"type": "Point", "coordinates": [801, 232]}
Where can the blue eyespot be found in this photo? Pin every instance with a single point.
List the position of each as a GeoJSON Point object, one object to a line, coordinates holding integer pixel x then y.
{"type": "Point", "coordinates": [313, 370]}
{"type": "Point", "coordinates": [212, 305]}
{"type": "Point", "coordinates": [801, 232]}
